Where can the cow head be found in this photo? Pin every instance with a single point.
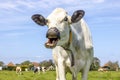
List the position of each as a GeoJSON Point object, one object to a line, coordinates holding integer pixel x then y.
{"type": "Point", "coordinates": [58, 23]}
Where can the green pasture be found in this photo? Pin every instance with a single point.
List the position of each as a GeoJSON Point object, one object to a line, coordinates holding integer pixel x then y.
{"type": "Point", "coordinates": [50, 75]}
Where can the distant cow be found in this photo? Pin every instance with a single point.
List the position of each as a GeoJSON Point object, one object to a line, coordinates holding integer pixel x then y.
{"type": "Point", "coordinates": [70, 39]}
{"type": "Point", "coordinates": [18, 70]}
{"type": "Point", "coordinates": [36, 69]}
{"type": "Point", "coordinates": [43, 69]}
{"type": "Point", "coordinates": [104, 69]}
{"type": "Point", "coordinates": [0, 68]}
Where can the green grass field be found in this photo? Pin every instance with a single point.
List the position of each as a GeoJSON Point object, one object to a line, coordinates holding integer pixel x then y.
{"type": "Point", "coordinates": [50, 75]}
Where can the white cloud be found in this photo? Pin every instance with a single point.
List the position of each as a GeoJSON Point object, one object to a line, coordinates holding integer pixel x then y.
{"type": "Point", "coordinates": [28, 4]}
{"type": "Point", "coordinates": [37, 56]}
{"type": "Point", "coordinates": [23, 5]}
{"type": "Point", "coordinates": [98, 1]}
{"type": "Point", "coordinates": [9, 6]}
{"type": "Point", "coordinates": [12, 34]}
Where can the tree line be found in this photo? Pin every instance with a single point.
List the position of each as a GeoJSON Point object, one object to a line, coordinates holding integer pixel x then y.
{"type": "Point", "coordinates": [111, 65]}
{"type": "Point", "coordinates": [27, 64]}
{"type": "Point", "coordinates": [46, 63]}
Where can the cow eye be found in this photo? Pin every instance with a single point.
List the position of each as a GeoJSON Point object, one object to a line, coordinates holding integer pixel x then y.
{"type": "Point", "coordinates": [65, 19]}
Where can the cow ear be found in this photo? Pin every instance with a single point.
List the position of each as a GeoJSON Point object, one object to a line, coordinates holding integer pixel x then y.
{"type": "Point", "coordinates": [77, 15]}
{"type": "Point", "coordinates": [39, 19]}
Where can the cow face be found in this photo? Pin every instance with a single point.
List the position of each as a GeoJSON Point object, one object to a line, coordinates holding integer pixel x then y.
{"type": "Point", "coordinates": [58, 23]}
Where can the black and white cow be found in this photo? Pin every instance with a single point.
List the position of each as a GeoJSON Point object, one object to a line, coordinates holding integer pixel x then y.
{"type": "Point", "coordinates": [36, 70]}
{"type": "Point", "coordinates": [70, 40]}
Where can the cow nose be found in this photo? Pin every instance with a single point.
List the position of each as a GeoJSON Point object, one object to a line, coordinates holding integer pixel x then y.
{"type": "Point", "coordinates": [53, 33]}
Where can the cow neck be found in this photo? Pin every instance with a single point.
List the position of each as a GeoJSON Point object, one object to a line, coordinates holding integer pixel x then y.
{"type": "Point", "coordinates": [70, 37]}
{"type": "Point", "coordinates": [67, 47]}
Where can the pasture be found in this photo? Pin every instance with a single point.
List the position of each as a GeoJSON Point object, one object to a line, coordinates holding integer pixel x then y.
{"type": "Point", "coordinates": [50, 75]}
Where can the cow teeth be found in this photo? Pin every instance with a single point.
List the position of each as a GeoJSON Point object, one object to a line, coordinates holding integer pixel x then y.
{"type": "Point", "coordinates": [47, 43]}
{"type": "Point", "coordinates": [53, 41]}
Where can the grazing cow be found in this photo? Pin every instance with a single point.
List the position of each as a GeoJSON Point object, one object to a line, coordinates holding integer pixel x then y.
{"type": "Point", "coordinates": [36, 69]}
{"type": "Point", "coordinates": [70, 40]}
{"type": "Point", "coordinates": [18, 70]}
{"type": "Point", "coordinates": [43, 69]}
{"type": "Point", "coordinates": [26, 69]}
{"type": "Point", "coordinates": [104, 69]}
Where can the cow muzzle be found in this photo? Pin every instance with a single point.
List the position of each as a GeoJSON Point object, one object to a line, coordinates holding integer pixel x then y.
{"type": "Point", "coordinates": [53, 36]}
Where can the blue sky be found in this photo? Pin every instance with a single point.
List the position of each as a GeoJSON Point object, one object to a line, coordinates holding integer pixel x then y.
{"type": "Point", "coordinates": [21, 39]}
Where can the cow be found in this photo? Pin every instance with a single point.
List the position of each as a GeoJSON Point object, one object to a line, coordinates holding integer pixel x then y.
{"type": "Point", "coordinates": [43, 69]}
{"type": "Point", "coordinates": [101, 69]}
{"type": "Point", "coordinates": [104, 69]}
{"type": "Point", "coordinates": [70, 40]}
{"type": "Point", "coordinates": [18, 70]}
{"type": "Point", "coordinates": [36, 70]}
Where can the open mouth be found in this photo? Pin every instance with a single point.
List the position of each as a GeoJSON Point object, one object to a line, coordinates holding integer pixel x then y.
{"type": "Point", "coordinates": [51, 43]}
{"type": "Point", "coordinates": [53, 35]}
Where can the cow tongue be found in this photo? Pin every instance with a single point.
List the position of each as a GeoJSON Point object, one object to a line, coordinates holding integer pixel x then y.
{"type": "Point", "coordinates": [52, 43]}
